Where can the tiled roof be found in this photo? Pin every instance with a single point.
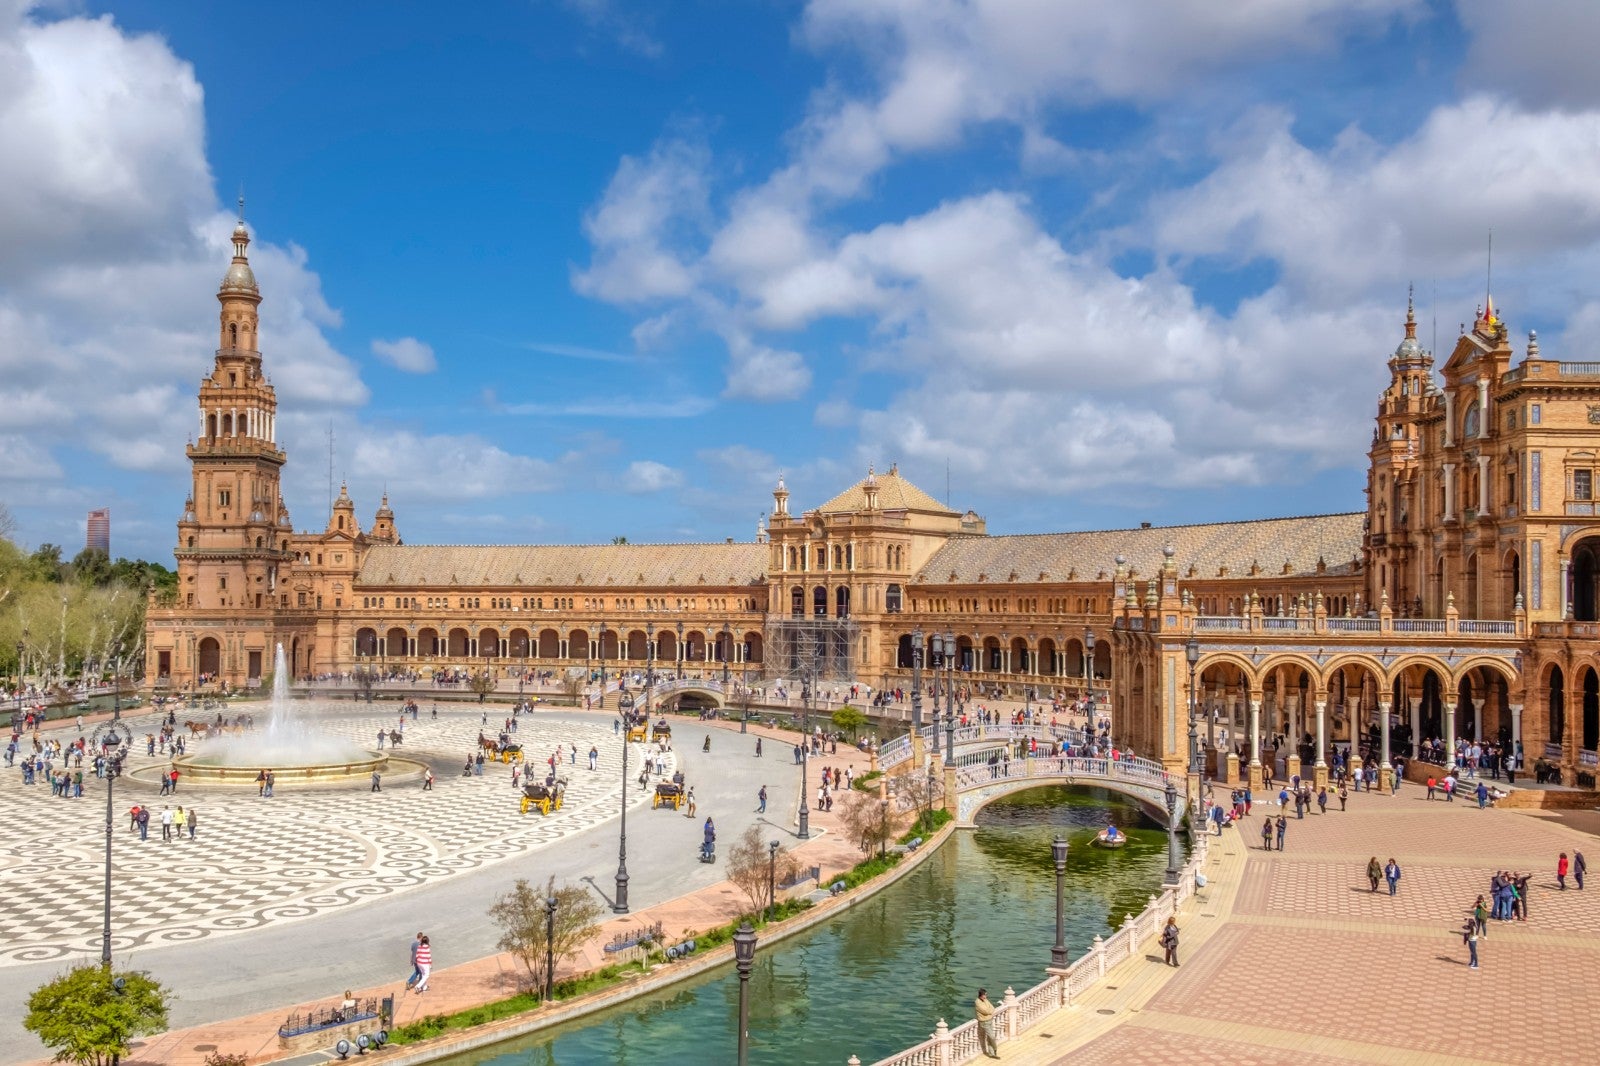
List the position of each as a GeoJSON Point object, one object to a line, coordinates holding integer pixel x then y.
{"type": "Point", "coordinates": [592, 565]}
{"type": "Point", "coordinates": [895, 493]}
{"type": "Point", "coordinates": [1268, 543]}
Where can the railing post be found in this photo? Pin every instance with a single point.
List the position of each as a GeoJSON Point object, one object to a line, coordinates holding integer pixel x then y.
{"type": "Point", "coordinates": [941, 1044]}
{"type": "Point", "coordinates": [1011, 1013]}
{"type": "Point", "coordinates": [1098, 948]}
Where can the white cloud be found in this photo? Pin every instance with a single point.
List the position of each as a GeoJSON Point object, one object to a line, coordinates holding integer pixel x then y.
{"type": "Point", "coordinates": [629, 30]}
{"type": "Point", "coordinates": [757, 372]}
{"type": "Point", "coordinates": [443, 467]}
{"type": "Point", "coordinates": [406, 353]}
{"type": "Point", "coordinates": [643, 213]}
{"type": "Point", "coordinates": [1542, 53]}
{"type": "Point", "coordinates": [647, 475]}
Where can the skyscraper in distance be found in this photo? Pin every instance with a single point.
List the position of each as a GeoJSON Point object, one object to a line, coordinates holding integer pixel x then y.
{"type": "Point", "coordinates": [99, 536]}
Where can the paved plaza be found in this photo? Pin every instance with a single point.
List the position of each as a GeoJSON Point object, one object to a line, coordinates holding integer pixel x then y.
{"type": "Point", "coordinates": [290, 899]}
{"type": "Point", "coordinates": [1287, 956]}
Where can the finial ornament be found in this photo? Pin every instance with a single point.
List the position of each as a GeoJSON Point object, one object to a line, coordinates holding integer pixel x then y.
{"type": "Point", "coordinates": [241, 203]}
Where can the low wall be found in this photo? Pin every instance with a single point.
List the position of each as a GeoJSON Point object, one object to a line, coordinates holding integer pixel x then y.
{"type": "Point", "coordinates": [662, 977]}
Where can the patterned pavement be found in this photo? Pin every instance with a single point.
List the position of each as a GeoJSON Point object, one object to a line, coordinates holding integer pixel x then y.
{"type": "Point", "coordinates": [1290, 957]}
{"type": "Point", "coordinates": [259, 862]}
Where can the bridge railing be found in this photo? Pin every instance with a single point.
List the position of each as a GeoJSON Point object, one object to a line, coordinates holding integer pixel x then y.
{"type": "Point", "coordinates": [1134, 771]}
{"type": "Point", "coordinates": [1016, 1014]}
{"type": "Point", "coordinates": [898, 750]}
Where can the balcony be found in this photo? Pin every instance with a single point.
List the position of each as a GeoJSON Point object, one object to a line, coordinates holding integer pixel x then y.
{"type": "Point", "coordinates": [1420, 627]}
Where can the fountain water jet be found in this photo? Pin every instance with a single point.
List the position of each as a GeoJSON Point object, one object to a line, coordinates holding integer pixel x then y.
{"type": "Point", "coordinates": [296, 753]}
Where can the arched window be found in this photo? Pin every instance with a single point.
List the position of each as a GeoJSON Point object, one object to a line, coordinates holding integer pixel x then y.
{"type": "Point", "coordinates": [891, 600]}
{"type": "Point", "coordinates": [1469, 423]}
{"type": "Point", "coordinates": [233, 335]}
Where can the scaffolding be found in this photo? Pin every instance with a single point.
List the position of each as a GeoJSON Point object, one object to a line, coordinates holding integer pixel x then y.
{"type": "Point", "coordinates": [818, 648]}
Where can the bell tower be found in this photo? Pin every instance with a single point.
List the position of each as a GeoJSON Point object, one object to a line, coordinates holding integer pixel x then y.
{"type": "Point", "coordinates": [235, 530]}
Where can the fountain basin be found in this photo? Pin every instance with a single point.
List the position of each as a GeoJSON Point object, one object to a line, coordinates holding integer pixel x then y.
{"type": "Point", "coordinates": [196, 771]}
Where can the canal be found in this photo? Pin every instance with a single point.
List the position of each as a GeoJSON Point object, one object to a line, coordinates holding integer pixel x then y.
{"type": "Point", "coordinates": [978, 913]}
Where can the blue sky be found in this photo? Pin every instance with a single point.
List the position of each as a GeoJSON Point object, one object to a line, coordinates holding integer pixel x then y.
{"type": "Point", "coordinates": [560, 271]}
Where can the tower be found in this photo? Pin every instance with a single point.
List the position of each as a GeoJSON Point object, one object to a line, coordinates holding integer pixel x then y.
{"type": "Point", "coordinates": [1394, 473]}
{"type": "Point", "coordinates": [235, 531]}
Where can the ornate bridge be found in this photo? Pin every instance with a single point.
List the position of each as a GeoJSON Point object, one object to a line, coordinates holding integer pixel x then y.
{"type": "Point", "coordinates": [673, 688]}
{"type": "Point", "coordinates": [898, 751]}
{"type": "Point", "coordinates": [1141, 780]}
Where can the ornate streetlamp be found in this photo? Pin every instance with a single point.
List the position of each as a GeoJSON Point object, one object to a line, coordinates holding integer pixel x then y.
{"type": "Point", "coordinates": [22, 650]}
{"type": "Point", "coordinates": [808, 681]}
{"type": "Point", "coordinates": [916, 679]}
{"type": "Point", "coordinates": [744, 956]}
{"type": "Point", "coordinates": [950, 651]}
{"type": "Point", "coordinates": [621, 904]}
{"type": "Point", "coordinates": [116, 685]}
{"type": "Point", "coordinates": [680, 653]}
{"type": "Point", "coordinates": [1058, 953]}
{"type": "Point", "coordinates": [107, 740]}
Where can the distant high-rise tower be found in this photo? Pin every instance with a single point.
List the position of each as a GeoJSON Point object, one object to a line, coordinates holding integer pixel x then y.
{"type": "Point", "coordinates": [99, 538]}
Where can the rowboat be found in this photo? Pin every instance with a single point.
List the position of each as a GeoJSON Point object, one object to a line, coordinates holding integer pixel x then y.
{"type": "Point", "coordinates": [1102, 839]}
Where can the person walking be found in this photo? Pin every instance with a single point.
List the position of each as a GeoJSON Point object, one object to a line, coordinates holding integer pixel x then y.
{"type": "Point", "coordinates": [1391, 874]}
{"type": "Point", "coordinates": [1480, 915]}
{"type": "Point", "coordinates": [1283, 827]}
{"type": "Point", "coordinates": [377, 781]}
{"type": "Point", "coordinates": [1562, 866]}
{"type": "Point", "coordinates": [427, 781]}
{"type": "Point", "coordinates": [424, 963]}
{"type": "Point", "coordinates": [194, 820]}
{"type": "Point", "coordinates": [1266, 833]}
{"type": "Point", "coordinates": [983, 1010]}
{"type": "Point", "coordinates": [1374, 872]}
{"type": "Point", "coordinates": [1579, 868]}
{"type": "Point", "coordinates": [594, 757]}
{"type": "Point", "coordinates": [1322, 801]}
{"type": "Point", "coordinates": [688, 800]}
{"type": "Point", "coordinates": [1482, 793]}
{"type": "Point", "coordinates": [179, 822]}
{"type": "Point", "coordinates": [1169, 940]}
{"type": "Point", "coordinates": [416, 942]}
{"type": "Point", "coordinates": [166, 827]}
{"type": "Point", "coordinates": [1469, 933]}
{"type": "Point", "coordinates": [762, 796]}
{"type": "Point", "coordinates": [758, 747]}
{"type": "Point", "coordinates": [1344, 796]}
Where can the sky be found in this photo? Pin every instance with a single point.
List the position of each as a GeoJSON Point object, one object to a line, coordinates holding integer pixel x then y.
{"type": "Point", "coordinates": [558, 271]}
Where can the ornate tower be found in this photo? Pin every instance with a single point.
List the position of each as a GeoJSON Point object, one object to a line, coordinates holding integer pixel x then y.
{"type": "Point", "coordinates": [235, 531]}
{"type": "Point", "coordinates": [1394, 474]}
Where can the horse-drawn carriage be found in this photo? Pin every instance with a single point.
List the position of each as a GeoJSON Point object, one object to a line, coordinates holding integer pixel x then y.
{"type": "Point", "coordinates": [509, 753]}
{"type": "Point", "coordinates": [668, 794]}
{"type": "Point", "coordinates": [502, 750]}
{"type": "Point", "coordinates": [661, 732]}
{"type": "Point", "coordinates": [545, 797]}
{"type": "Point", "coordinates": [638, 729]}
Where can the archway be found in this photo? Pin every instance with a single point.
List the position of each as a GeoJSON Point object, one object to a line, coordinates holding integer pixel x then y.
{"type": "Point", "coordinates": [902, 655]}
{"type": "Point", "coordinates": [519, 643]}
{"type": "Point", "coordinates": [797, 602]}
{"type": "Point", "coordinates": [395, 645]}
{"type": "Point", "coordinates": [752, 648]}
{"type": "Point", "coordinates": [1050, 657]}
{"type": "Point", "coordinates": [549, 644]}
{"type": "Point", "coordinates": [578, 645]}
{"type": "Point", "coordinates": [489, 643]}
{"type": "Point", "coordinates": [1585, 580]}
{"type": "Point", "coordinates": [608, 644]}
{"type": "Point", "coordinates": [366, 641]}
{"type": "Point", "coordinates": [1556, 708]}
{"type": "Point", "coordinates": [1513, 572]}
{"type": "Point", "coordinates": [1019, 656]}
{"type": "Point", "coordinates": [457, 643]}
{"type": "Point", "coordinates": [667, 646]}
{"type": "Point", "coordinates": [638, 646]}
{"type": "Point", "coordinates": [819, 601]}
{"type": "Point", "coordinates": [427, 641]}
{"type": "Point", "coordinates": [1591, 709]}
{"type": "Point", "coordinates": [841, 601]}
{"type": "Point", "coordinates": [209, 657]}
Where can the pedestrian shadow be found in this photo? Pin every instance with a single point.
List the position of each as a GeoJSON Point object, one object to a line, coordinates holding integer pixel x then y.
{"type": "Point", "coordinates": [1452, 960]}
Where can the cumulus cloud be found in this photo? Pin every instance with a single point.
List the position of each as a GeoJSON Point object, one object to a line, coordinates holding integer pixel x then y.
{"type": "Point", "coordinates": [406, 353]}
{"type": "Point", "coordinates": [647, 475]}
{"type": "Point", "coordinates": [444, 467]}
{"type": "Point", "coordinates": [649, 205]}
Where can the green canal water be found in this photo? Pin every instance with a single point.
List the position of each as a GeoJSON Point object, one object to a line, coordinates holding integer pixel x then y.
{"type": "Point", "coordinates": [978, 913]}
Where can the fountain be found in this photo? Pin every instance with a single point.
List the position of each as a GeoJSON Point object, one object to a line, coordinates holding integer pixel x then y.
{"type": "Point", "coordinates": [295, 752]}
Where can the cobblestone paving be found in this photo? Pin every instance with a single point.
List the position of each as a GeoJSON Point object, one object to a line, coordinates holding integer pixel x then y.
{"type": "Point", "coordinates": [1134, 1045]}
{"type": "Point", "coordinates": [256, 862]}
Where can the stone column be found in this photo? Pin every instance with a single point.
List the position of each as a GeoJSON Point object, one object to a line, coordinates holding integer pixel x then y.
{"type": "Point", "coordinates": [1483, 409]}
{"type": "Point", "coordinates": [1449, 495]}
{"type": "Point", "coordinates": [1477, 719]}
{"type": "Point", "coordinates": [1483, 507]}
{"type": "Point", "coordinates": [1322, 742]}
{"type": "Point", "coordinates": [1255, 743]}
{"type": "Point", "coordinates": [1516, 726]}
{"type": "Point", "coordinates": [1450, 735]}
{"type": "Point", "coordinates": [1292, 759]}
{"type": "Point", "coordinates": [1352, 710]}
{"type": "Point", "coordinates": [1416, 727]}
{"type": "Point", "coordinates": [1385, 770]}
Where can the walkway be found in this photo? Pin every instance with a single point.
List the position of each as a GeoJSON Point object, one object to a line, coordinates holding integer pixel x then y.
{"type": "Point", "coordinates": [343, 942]}
{"type": "Point", "coordinates": [1289, 958]}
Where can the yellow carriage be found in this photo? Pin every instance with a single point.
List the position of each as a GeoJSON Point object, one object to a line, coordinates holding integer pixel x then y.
{"type": "Point", "coordinates": [509, 753]}
{"type": "Point", "coordinates": [661, 732]}
{"type": "Point", "coordinates": [668, 794]}
{"type": "Point", "coordinates": [637, 732]}
{"type": "Point", "coordinates": [547, 799]}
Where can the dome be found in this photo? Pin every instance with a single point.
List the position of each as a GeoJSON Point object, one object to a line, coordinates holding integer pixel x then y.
{"type": "Point", "coordinates": [1410, 348]}
{"type": "Point", "coordinates": [240, 231]}
{"type": "Point", "coordinates": [239, 277]}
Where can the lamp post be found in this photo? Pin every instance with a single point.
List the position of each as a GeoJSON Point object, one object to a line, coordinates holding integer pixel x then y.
{"type": "Point", "coordinates": [22, 650]}
{"type": "Point", "coordinates": [109, 740]}
{"type": "Point", "coordinates": [772, 879]}
{"type": "Point", "coordinates": [621, 904]}
{"type": "Point", "coordinates": [916, 679]}
{"type": "Point", "coordinates": [649, 665]}
{"type": "Point", "coordinates": [1088, 671]}
{"type": "Point", "coordinates": [680, 653]}
{"type": "Point", "coordinates": [1191, 652]}
{"type": "Point", "coordinates": [549, 948]}
{"type": "Point", "coordinates": [1058, 953]}
{"type": "Point", "coordinates": [744, 956]}
{"type": "Point", "coordinates": [1172, 832]}
{"type": "Point", "coordinates": [883, 828]}
{"type": "Point", "coordinates": [808, 681]}
{"type": "Point", "coordinates": [950, 651]}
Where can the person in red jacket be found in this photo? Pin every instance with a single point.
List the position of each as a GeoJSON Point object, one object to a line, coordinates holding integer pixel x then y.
{"type": "Point", "coordinates": [1561, 871]}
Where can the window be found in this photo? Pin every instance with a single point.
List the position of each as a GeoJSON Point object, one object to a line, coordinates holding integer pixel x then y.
{"type": "Point", "coordinates": [1533, 414]}
{"type": "Point", "coordinates": [224, 497]}
{"type": "Point", "coordinates": [1583, 484]}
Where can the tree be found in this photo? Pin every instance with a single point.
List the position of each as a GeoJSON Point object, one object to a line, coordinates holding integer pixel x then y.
{"type": "Point", "coordinates": [89, 1014]}
{"type": "Point", "coordinates": [524, 923]}
{"type": "Point", "coordinates": [869, 821]}
{"type": "Point", "coordinates": [848, 717]}
{"type": "Point", "coordinates": [921, 791]}
{"type": "Point", "coordinates": [750, 868]}
{"type": "Point", "coordinates": [619, 540]}
{"type": "Point", "coordinates": [482, 684]}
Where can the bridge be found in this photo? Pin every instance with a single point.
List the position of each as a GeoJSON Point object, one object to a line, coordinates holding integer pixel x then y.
{"type": "Point", "coordinates": [978, 783]}
{"type": "Point", "coordinates": [677, 687]}
{"type": "Point", "coordinates": [894, 753]}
